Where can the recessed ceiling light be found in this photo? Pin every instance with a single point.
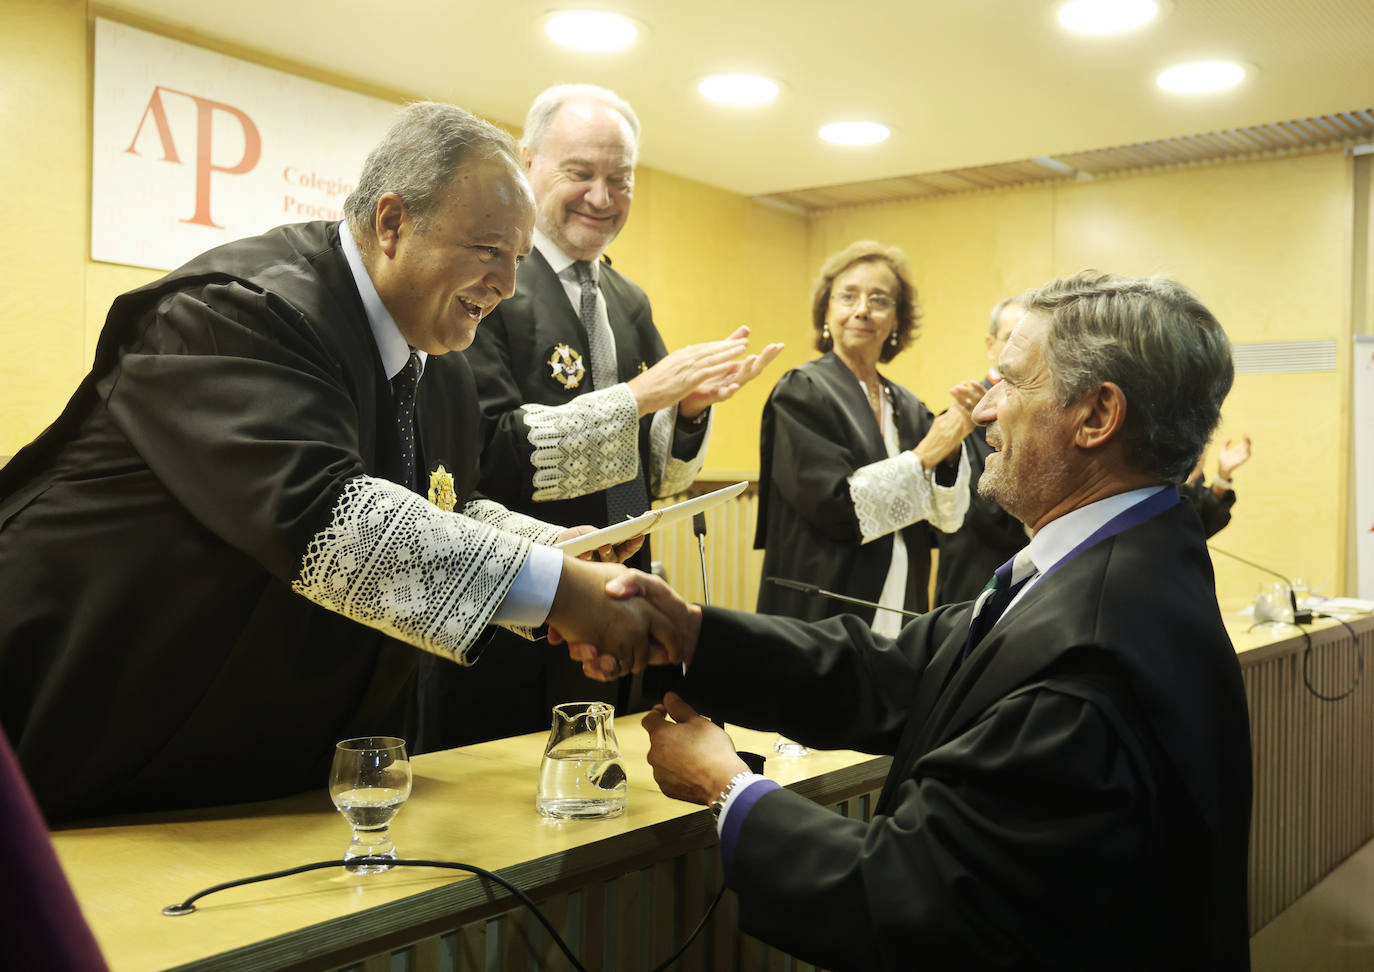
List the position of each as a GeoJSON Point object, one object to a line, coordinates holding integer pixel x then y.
{"type": "Point", "coordinates": [1106, 16]}
{"type": "Point", "coordinates": [1201, 77]}
{"type": "Point", "coordinates": [738, 90]}
{"type": "Point", "coordinates": [591, 31]}
{"type": "Point", "coordinates": [854, 133]}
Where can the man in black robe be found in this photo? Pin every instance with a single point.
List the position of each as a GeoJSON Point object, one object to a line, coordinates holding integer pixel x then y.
{"type": "Point", "coordinates": [1070, 786]}
{"type": "Point", "coordinates": [586, 417]}
{"type": "Point", "coordinates": [209, 562]}
{"type": "Point", "coordinates": [989, 534]}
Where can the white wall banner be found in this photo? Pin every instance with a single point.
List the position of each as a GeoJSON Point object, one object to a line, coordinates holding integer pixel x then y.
{"type": "Point", "coordinates": [191, 148]}
{"type": "Point", "coordinates": [1364, 463]}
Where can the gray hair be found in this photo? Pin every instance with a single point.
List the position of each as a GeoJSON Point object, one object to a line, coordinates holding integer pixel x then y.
{"type": "Point", "coordinates": [1156, 342]}
{"type": "Point", "coordinates": [418, 158]}
{"type": "Point", "coordinates": [548, 101]}
{"type": "Point", "coordinates": [995, 319]}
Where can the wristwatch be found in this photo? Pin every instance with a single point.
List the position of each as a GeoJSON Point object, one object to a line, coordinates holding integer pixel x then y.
{"type": "Point", "coordinates": [718, 804]}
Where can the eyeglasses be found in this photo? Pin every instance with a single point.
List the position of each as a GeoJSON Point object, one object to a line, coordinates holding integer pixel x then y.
{"type": "Point", "coordinates": [877, 303]}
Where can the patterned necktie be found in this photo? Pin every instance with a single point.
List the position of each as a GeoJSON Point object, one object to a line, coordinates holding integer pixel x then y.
{"type": "Point", "coordinates": [629, 498]}
{"type": "Point", "coordinates": [403, 388]}
{"type": "Point", "coordinates": [1006, 582]}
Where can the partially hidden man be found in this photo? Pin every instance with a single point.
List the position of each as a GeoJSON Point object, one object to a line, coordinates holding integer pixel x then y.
{"type": "Point", "coordinates": [586, 417]}
{"type": "Point", "coordinates": [215, 563]}
{"type": "Point", "coordinates": [1070, 786]}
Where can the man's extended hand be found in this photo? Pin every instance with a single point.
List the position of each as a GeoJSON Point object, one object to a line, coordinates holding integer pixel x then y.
{"type": "Point", "coordinates": [680, 627]}
{"type": "Point", "coordinates": [627, 632]}
{"type": "Point", "coordinates": [607, 553]}
{"type": "Point", "coordinates": [692, 758]}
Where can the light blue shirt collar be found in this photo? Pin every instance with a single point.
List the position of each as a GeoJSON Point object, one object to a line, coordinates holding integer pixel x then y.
{"type": "Point", "coordinates": [1056, 539]}
{"type": "Point", "coordinates": [392, 347]}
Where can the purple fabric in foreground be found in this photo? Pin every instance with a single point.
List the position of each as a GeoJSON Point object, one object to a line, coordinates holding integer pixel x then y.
{"type": "Point", "coordinates": [734, 821]}
{"type": "Point", "coordinates": [42, 926]}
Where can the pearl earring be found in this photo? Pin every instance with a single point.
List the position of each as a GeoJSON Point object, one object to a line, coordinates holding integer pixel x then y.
{"type": "Point", "coordinates": [892, 340]}
{"type": "Point", "coordinates": [825, 332]}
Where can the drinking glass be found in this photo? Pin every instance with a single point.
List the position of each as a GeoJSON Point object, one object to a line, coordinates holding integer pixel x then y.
{"type": "Point", "coordinates": [368, 782]}
{"type": "Point", "coordinates": [1301, 591]}
{"type": "Point", "coordinates": [581, 775]}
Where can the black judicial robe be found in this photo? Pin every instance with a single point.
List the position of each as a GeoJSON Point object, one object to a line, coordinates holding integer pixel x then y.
{"type": "Point", "coordinates": [152, 653]}
{"type": "Point", "coordinates": [817, 428]}
{"type": "Point", "coordinates": [1075, 795]}
{"type": "Point", "coordinates": [517, 682]}
{"type": "Point", "coordinates": [989, 537]}
{"type": "Point", "coordinates": [510, 358]}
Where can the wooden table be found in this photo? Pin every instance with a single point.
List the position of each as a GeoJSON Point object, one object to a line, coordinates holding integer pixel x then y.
{"type": "Point", "coordinates": [623, 892]}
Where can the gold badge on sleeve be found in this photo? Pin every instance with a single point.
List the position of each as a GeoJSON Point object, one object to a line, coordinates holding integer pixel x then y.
{"type": "Point", "coordinates": [441, 489]}
{"type": "Point", "coordinates": [566, 366]}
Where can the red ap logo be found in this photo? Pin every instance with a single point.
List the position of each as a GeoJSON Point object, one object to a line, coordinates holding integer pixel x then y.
{"type": "Point", "coordinates": [205, 116]}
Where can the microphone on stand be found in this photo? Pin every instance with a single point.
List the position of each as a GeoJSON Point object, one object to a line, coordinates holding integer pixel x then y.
{"type": "Point", "coordinates": [793, 585]}
{"type": "Point", "coordinates": [1299, 616]}
{"type": "Point", "coordinates": [754, 761]}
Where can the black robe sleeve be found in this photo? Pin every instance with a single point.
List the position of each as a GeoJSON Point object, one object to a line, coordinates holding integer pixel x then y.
{"type": "Point", "coordinates": [1002, 844]}
{"type": "Point", "coordinates": [242, 417]}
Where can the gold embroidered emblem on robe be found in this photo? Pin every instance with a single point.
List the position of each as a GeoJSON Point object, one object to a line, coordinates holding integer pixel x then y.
{"type": "Point", "coordinates": [566, 366]}
{"type": "Point", "coordinates": [441, 489]}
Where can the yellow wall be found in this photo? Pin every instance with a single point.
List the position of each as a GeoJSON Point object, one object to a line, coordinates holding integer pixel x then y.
{"type": "Point", "coordinates": [1265, 244]}
{"type": "Point", "coordinates": [53, 298]}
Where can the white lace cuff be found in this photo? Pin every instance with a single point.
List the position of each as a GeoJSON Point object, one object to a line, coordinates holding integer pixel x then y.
{"type": "Point", "coordinates": [493, 514]}
{"type": "Point", "coordinates": [394, 562]}
{"type": "Point", "coordinates": [897, 492]}
{"type": "Point", "coordinates": [585, 446]}
{"type": "Point", "coordinates": [669, 475]}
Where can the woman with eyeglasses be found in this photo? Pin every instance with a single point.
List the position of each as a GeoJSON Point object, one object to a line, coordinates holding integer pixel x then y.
{"type": "Point", "coordinates": [854, 472]}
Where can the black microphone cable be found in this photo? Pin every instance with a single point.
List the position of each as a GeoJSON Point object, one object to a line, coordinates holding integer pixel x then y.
{"type": "Point", "coordinates": [1299, 619]}
{"type": "Point", "coordinates": [188, 906]}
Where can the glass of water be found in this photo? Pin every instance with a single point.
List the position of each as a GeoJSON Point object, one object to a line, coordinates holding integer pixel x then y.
{"type": "Point", "coordinates": [581, 775]}
{"type": "Point", "coordinates": [368, 782]}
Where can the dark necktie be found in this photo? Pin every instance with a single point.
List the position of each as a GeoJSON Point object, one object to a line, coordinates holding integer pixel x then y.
{"type": "Point", "coordinates": [629, 498]}
{"type": "Point", "coordinates": [1006, 583]}
{"type": "Point", "coordinates": [403, 388]}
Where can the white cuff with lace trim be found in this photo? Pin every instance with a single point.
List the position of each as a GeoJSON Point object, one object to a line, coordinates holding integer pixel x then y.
{"type": "Point", "coordinates": [394, 562]}
{"type": "Point", "coordinates": [897, 492]}
{"type": "Point", "coordinates": [669, 475]}
{"type": "Point", "coordinates": [585, 446]}
{"type": "Point", "coordinates": [493, 514]}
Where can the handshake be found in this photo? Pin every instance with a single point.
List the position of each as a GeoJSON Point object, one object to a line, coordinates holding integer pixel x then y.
{"type": "Point", "coordinates": [616, 621]}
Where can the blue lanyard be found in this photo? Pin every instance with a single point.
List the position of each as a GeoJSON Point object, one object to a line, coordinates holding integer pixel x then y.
{"type": "Point", "coordinates": [1146, 509]}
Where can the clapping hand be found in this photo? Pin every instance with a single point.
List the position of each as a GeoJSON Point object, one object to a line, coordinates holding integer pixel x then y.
{"type": "Point", "coordinates": [700, 374]}
{"type": "Point", "coordinates": [1232, 455]}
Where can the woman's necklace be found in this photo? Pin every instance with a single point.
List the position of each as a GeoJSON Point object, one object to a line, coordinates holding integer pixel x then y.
{"type": "Point", "coordinates": [875, 397]}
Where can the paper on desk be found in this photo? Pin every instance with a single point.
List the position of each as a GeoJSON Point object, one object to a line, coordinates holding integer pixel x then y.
{"type": "Point", "coordinates": [650, 521]}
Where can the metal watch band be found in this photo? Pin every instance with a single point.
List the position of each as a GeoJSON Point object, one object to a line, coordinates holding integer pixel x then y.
{"type": "Point", "coordinates": [718, 804]}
